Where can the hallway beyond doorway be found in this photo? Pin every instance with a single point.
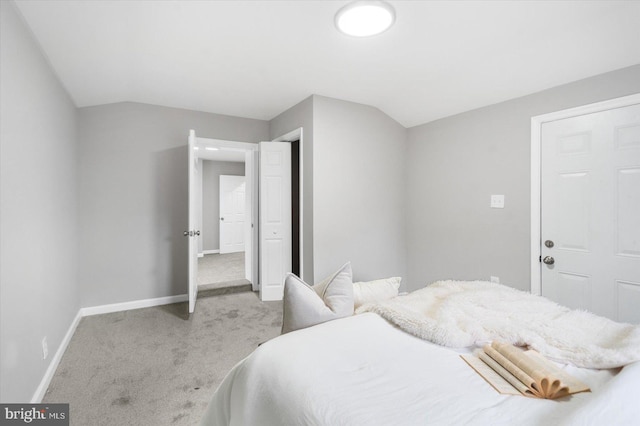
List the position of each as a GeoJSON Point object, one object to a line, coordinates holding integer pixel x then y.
{"type": "Point", "coordinates": [221, 270]}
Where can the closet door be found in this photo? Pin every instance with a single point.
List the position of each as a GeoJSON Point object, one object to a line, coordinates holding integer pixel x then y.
{"type": "Point", "coordinates": [275, 218]}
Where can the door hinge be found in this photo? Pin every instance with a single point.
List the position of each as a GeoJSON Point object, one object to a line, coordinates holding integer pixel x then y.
{"type": "Point", "coordinates": [540, 258]}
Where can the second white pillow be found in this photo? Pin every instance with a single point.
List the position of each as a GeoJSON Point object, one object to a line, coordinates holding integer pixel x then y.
{"type": "Point", "coordinates": [375, 291]}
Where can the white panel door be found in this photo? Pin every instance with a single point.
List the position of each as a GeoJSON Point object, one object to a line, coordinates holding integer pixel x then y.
{"type": "Point", "coordinates": [232, 213]}
{"type": "Point", "coordinates": [275, 218]}
{"type": "Point", "coordinates": [591, 212]}
{"type": "Point", "coordinates": [193, 233]}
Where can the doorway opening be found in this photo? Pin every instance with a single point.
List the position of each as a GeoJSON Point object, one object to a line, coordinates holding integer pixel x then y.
{"type": "Point", "coordinates": [204, 150]}
{"type": "Point", "coordinates": [224, 188]}
{"type": "Point", "coordinates": [296, 139]}
{"type": "Point", "coordinates": [221, 247]}
{"type": "Point", "coordinates": [295, 207]}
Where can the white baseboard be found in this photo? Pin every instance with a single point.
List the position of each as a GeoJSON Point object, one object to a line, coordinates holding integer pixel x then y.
{"type": "Point", "coordinates": [135, 304]}
{"type": "Point", "coordinates": [53, 365]}
{"type": "Point", "coordinates": [210, 251]}
{"type": "Point", "coordinates": [95, 310]}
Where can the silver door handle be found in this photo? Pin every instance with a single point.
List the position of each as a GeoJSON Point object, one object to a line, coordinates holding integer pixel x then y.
{"type": "Point", "coordinates": [548, 260]}
{"type": "Point", "coordinates": [185, 233]}
{"type": "Point", "coordinates": [197, 232]}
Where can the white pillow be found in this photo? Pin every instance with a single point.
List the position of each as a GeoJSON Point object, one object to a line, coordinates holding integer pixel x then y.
{"type": "Point", "coordinates": [304, 305]}
{"type": "Point", "coordinates": [375, 291]}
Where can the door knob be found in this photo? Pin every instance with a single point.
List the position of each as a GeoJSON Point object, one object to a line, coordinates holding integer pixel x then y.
{"type": "Point", "coordinates": [548, 243]}
{"type": "Point", "coordinates": [548, 260]}
{"type": "Point", "coordinates": [185, 233]}
{"type": "Point", "coordinates": [222, 218]}
{"type": "Point", "coordinates": [198, 232]}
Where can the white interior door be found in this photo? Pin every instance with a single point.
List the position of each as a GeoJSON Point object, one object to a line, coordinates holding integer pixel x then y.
{"type": "Point", "coordinates": [193, 233]}
{"type": "Point", "coordinates": [590, 216]}
{"type": "Point", "coordinates": [232, 213]}
{"type": "Point", "coordinates": [275, 218]}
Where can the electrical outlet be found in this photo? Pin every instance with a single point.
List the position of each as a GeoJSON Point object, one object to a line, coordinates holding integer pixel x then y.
{"type": "Point", "coordinates": [497, 201]}
{"type": "Point", "coordinates": [45, 348]}
{"type": "Point", "coordinates": [495, 279]}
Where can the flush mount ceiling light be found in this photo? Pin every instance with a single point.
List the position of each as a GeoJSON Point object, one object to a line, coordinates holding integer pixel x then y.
{"type": "Point", "coordinates": [365, 18]}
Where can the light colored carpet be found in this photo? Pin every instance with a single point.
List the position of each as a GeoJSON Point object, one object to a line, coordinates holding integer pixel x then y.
{"type": "Point", "coordinates": [156, 366]}
{"type": "Point", "coordinates": [221, 270]}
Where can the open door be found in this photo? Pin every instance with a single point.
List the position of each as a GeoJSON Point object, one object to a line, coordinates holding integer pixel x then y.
{"type": "Point", "coordinates": [192, 234]}
{"type": "Point", "coordinates": [275, 218]}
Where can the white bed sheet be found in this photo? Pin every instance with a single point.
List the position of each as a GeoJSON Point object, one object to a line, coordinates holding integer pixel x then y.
{"type": "Point", "coordinates": [363, 371]}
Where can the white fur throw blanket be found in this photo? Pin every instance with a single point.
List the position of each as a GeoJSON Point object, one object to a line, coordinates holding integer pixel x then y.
{"type": "Point", "coordinates": [467, 313]}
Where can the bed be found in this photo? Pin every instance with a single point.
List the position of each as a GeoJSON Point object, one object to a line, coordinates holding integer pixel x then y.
{"type": "Point", "coordinates": [364, 370]}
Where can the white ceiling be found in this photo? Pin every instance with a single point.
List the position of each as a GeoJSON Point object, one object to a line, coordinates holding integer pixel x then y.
{"type": "Point", "coordinates": [257, 58]}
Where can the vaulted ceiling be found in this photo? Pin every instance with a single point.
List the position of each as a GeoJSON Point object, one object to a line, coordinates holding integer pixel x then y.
{"type": "Point", "coordinates": [257, 58]}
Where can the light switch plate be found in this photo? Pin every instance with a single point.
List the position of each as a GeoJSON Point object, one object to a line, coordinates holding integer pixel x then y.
{"type": "Point", "coordinates": [497, 201]}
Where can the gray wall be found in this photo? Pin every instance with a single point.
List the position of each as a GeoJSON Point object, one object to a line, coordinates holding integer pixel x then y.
{"type": "Point", "coordinates": [301, 115]}
{"type": "Point", "coordinates": [39, 294]}
{"type": "Point", "coordinates": [359, 157]}
{"type": "Point", "coordinates": [99, 195]}
{"type": "Point", "coordinates": [211, 172]}
{"type": "Point", "coordinates": [133, 196]}
{"type": "Point", "coordinates": [456, 163]}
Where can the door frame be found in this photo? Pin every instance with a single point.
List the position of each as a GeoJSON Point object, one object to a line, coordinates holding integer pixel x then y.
{"type": "Point", "coordinates": [536, 172]}
{"type": "Point", "coordinates": [251, 253]}
{"type": "Point", "coordinates": [292, 136]}
{"type": "Point", "coordinates": [251, 174]}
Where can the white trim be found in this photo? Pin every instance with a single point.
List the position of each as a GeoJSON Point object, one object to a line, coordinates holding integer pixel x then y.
{"type": "Point", "coordinates": [135, 304]}
{"type": "Point", "coordinates": [294, 135]}
{"type": "Point", "coordinates": [536, 144]}
{"type": "Point", "coordinates": [55, 361]}
{"type": "Point", "coordinates": [95, 310]}
{"type": "Point", "coordinates": [535, 285]}
{"type": "Point", "coordinates": [210, 252]}
{"type": "Point", "coordinates": [221, 143]}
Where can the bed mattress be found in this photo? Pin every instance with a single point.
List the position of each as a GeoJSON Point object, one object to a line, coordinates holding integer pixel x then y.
{"type": "Point", "coordinates": [362, 370]}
